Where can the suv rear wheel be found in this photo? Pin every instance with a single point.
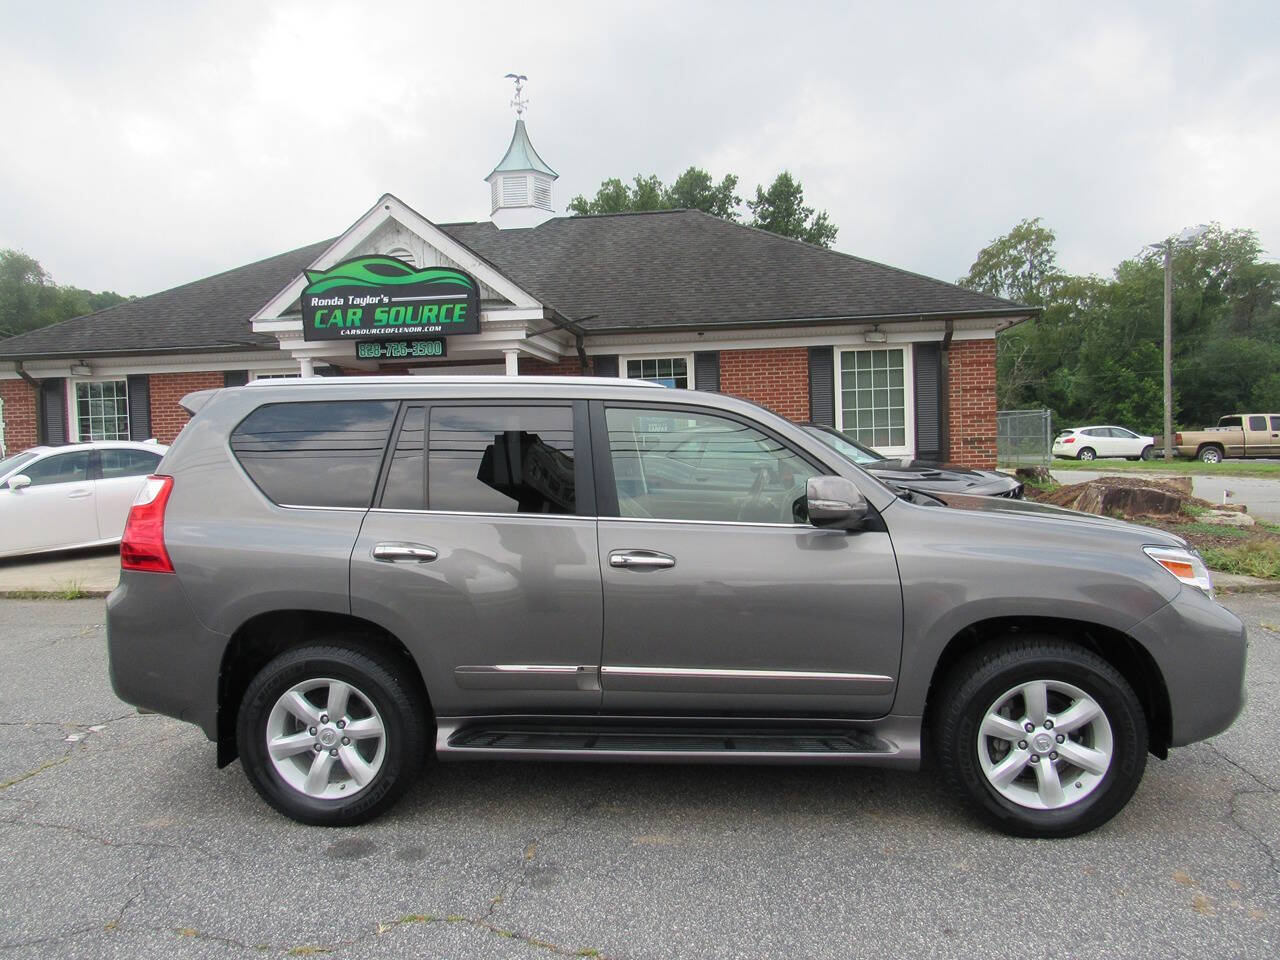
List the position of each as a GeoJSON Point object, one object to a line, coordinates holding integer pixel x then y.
{"type": "Point", "coordinates": [1043, 737]}
{"type": "Point", "coordinates": [331, 735]}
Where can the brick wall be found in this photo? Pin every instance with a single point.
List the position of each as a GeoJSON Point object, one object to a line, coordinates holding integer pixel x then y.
{"type": "Point", "coordinates": [19, 415]}
{"type": "Point", "coordinates": [568, 367]}
{"type": "Point", "coordinates": [167, 417]}
{"type": "Point", "coordinates": [972, 398]}
{"type": "Point", "coordinates": [777, 379]}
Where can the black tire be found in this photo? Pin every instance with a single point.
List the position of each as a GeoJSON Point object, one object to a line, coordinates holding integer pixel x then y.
{"type": "Point", "coordinates": [1086, 453]}
{"type": "Point", "coordinates": [1147, 452]}
{"type": "Point", "coordinates": [392, 690]}
{"type": "Point", "coordinates": [978, 680]}
{"type": "Point", "coordinates": [1210, 455]}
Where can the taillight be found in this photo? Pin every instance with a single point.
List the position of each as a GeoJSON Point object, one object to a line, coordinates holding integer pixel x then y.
{"type": "Point", "coordinates": [1068, 439]}
{"type": "Point", "coordinates": [1177, 439]}
{"type": "Point", "coordinates": [142, 547]}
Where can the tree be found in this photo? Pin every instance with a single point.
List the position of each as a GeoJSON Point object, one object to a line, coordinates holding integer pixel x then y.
{"type": "Point", "coordinates": [781, 209]}
{"type": "Point", "coordinates": [1093, 355]}
{"type": "Point", "coordinates": [29, 298]}
{"type": "Point", "coordinates": [695, 190]}
{"type": "Point", "coordinates": [1022, 265]}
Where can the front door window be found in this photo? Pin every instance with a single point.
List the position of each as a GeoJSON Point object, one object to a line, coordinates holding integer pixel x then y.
{"type": "Point", "coordinates": [691, 466]}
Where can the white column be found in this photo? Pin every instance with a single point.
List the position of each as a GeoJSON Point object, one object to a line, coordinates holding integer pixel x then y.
{"type": "Point", "coordinates": [513, 362]}
{"type": "Point", "coordinates": [307, 366]}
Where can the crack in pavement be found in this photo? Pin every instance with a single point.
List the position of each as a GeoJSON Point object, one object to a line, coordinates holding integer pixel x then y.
{"type": "Point", "coordinates": [107, 841]}
{"type": "Point", "coordinates": [1213, 748]}
{"type": "Point", "coordinates": [1233, 814]}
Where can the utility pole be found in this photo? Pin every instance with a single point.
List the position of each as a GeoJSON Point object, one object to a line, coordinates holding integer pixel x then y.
{"type": "Point", "coordinates": [1168, 349]}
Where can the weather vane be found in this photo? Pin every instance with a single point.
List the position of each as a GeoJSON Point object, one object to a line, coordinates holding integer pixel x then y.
{"type": "Point", "coordinates": [519, 102]}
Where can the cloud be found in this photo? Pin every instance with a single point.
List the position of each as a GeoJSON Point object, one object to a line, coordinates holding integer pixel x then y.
{"type": "Point", "coordinates": [155, 144]}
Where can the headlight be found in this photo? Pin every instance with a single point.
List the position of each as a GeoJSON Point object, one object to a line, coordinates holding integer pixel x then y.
{"type": "Point", "coordinates": [1186, 565]}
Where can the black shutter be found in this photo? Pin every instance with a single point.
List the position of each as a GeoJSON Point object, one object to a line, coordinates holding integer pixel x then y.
{"type": "Point", "coordinates": [927, 360]}
{"type": "Point", "coordinates": [139, 386]}
{"type": "Point", "coordinates": [606, 365]}
{"type": "Point", "coordinates": [235, 378]}
{"type": "Point", "coordinates": [52, 425]}
{"type": "Point", "coordinates": [822, 386]}
{"type": "Point", "coordinates": [706, 371]}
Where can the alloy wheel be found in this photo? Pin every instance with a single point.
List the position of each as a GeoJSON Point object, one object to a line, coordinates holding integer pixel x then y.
{"type": "Point", "coordinates": [326, 739]}
{"type": "Point", "coordinates": [1044, 744]}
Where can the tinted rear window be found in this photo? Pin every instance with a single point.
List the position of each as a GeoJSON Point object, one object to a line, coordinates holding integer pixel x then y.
{"type": "Point", "coordinates": [491, 459]}
{"type": "Point", "coordinates": [322, 454]}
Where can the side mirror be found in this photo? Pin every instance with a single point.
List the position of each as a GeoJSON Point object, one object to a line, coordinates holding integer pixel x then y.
{"type": "Point", "coordinates": [835, 502]}
{"type": "Point", "coordinates": [20, 481]}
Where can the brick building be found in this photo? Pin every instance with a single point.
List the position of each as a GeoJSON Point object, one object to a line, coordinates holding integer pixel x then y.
{"type": "Point", "coordinates": [899, 361]}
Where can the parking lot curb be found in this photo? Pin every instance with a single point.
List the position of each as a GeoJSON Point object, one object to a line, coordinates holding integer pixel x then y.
{"type": "Point", "coordinates": [1264, 586]}
{"type": "Point", "coordinates": [53, 594]}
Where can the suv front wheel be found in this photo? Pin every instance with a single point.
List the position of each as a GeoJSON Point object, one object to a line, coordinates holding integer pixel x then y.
{"type": "Point", "coordinates": [330, 735]}
{"type": "Point", "coordinates": [1043, 737]}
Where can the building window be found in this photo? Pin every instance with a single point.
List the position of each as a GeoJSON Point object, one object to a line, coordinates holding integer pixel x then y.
{"type": "Point", "coordinates": [874, 398]}
{"type": "Point", "coordinates": [668, 371]}
{"type": "Point", "coordinates": [102, 410]}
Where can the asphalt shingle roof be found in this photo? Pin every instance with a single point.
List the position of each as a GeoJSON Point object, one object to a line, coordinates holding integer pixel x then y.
{"type": "Point", "coordinates": [660, 270]}
{"type": "Point", "coordinates": [680, 268]}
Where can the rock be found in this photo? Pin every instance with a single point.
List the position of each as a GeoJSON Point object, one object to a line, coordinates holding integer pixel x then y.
{"type": "Point", "coordinates": [1111, 501]}
{"type": "Point", "coordinates": [1034, 474]}
{"type": "Point", "coordinates": [1233, 507]}
{"type": "Point", "coordinates": [1226, 518]}
{"type": "Point", "coordinates": [1182, 483]}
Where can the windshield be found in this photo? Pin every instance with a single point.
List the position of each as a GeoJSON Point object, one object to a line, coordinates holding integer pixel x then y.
{"type": "Point", "coordinates": [843, 445]}
{"type": "Point", "coordinates": [17, 460]}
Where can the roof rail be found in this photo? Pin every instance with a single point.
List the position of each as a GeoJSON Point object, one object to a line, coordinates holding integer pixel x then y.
{"type": "Point", "coordinates": [444, 379]}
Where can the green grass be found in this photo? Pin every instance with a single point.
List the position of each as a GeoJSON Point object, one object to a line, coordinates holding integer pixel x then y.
{"type": "Point", "coordinates": [1228, 468]}
{"type": "Point", "coordinates": [1259, 558]}
{"type": "Point", "coordinates": [1214, 530]}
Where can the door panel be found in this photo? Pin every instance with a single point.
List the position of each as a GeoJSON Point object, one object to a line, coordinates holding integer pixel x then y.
{"type": "Point", "coordinates": [750, 619]}
{"type": "Point", "coordinates": [519, 592]}
{"type": "Point", "coordinates": [57, 510]}
{"type": "Point", "coordinates": [483, 556]}
{"type": "Point", "coordinates": [1257, 436]}
{"type": "Point", "coordinates": [719, 596]}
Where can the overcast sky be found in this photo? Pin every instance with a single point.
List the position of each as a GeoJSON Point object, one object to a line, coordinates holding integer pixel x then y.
{"type": "Point", "coordinates": [150, 144]}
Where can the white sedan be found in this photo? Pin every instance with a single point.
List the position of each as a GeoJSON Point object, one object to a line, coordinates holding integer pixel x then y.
{"type": "Point", "coordinates": [58, 498]}
{"type": "Point", "coordinates": [1090, 443]}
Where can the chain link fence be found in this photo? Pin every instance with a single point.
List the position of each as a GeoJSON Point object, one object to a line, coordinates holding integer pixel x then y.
{"type": "Point", "coordinates": [1024, 438]}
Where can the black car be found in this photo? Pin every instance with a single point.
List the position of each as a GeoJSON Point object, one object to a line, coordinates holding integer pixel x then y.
{"type": "Point", "coordinates": [923, 476]}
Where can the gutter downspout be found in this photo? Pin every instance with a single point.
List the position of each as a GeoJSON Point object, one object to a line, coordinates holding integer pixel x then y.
{"type": "Point", "coordinates": [944, 391]}
{"type": "Point", "coordinates": [31, 381]}
{"type": "Point", "coordinates": [579, 336]}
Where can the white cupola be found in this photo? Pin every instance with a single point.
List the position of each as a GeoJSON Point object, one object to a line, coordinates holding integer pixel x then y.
{"type": "Point", "coordinates": [520, 185]}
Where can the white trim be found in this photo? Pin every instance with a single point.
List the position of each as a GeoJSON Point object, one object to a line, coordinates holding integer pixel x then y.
{"type": "Point", "coordinates": [673, 355]}
{"type": "Point", "coordinates": [113, 368]}
{"type": "Point", "coordinates": [746, 338]}
{"type": "Point", "coordinates": [908, 394]}
{"type": "Point", "coordinates": [73, 412]}
{"type": "Point", "coordinates": [387, 208]}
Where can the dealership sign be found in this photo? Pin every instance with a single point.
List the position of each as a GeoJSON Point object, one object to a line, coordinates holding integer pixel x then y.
{"type": "Point", "coordinates": [380, 298]}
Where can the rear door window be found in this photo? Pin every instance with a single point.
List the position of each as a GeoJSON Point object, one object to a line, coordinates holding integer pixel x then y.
{"type": "Point", "coordinates": [501, 459]}
{"type": "Point", "coordinates": [406, 484]}
{"type": "Point", "coordinates": [1257, 423]}
{"type": "Point", "coordinates": [123, 462]}
{"type": "Point", "coordinates": [317, 454]}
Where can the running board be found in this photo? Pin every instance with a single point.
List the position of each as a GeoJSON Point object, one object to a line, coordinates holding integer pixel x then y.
{"type": "Point", "coordinates": [494, 739]}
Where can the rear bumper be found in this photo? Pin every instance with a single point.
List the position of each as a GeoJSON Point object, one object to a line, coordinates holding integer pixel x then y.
{"type": "Point", "coordinates": [160, 657]}
{"type": "Point", "coordinates": [1200, 647]}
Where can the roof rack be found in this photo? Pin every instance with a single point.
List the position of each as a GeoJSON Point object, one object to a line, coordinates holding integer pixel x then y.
{"type": "Point", "coordinates": [447, 379]}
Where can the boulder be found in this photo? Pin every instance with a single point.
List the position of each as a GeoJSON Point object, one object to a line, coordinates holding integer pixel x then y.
{"type": "Point", "coordinates": [1226, 518]}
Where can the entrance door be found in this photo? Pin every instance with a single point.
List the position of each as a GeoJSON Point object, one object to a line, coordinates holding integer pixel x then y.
{"type": "Point", "coordinates": [483, 553]}
{"type": "Point", "coordinates": [719, 597]}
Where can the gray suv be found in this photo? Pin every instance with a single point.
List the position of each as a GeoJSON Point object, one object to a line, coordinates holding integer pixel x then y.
{"type": "Point", "coordinates": [337, 578]}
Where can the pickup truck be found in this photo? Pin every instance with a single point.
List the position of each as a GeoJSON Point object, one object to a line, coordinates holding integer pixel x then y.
{"type": "Point", "coordinates": [1239, 435]}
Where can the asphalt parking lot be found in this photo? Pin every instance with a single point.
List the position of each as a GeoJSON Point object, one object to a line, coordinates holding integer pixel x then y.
{"type": "Point", "coordinates": [121, 839]}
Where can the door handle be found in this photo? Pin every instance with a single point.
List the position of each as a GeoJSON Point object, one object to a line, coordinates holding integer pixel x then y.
{"type": "Point", "coordinates": [640, 560]}
{"type": "Point", "coordinates": [394, 552]}
{"type": "Point", "coordinates": [78, 494]}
